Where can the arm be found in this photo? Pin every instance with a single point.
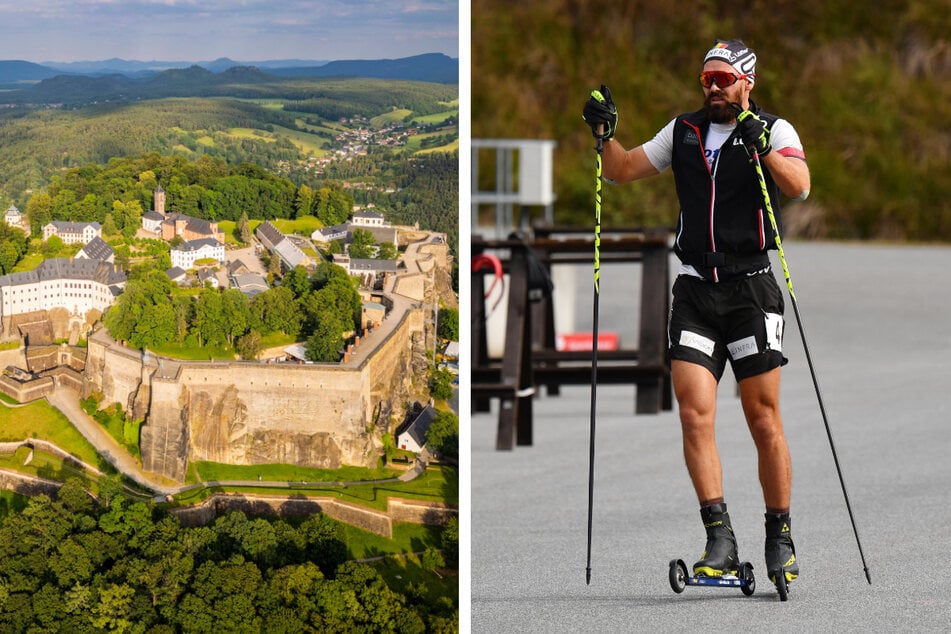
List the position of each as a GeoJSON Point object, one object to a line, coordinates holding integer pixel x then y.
{"type": "Point", "coordinates": [619, 165]}
{"type": "Point", "coordinates": [622, 166]}
{"type": "Point", "coordinates": [780, 150]}
{"type": "Point", "coordinates": [790, 172]}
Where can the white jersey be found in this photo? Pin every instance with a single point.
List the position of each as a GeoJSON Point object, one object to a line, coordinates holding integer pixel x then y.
{"type": "Point", "coordinates": [659, 150]}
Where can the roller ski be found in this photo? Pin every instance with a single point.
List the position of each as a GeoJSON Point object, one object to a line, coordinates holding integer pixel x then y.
{"type": "Point", "coordinates": [719, 565]}
{"type": "Point", "coordinates": [741, 578]}
{"type": "Point", "coordinates": [781, 564]}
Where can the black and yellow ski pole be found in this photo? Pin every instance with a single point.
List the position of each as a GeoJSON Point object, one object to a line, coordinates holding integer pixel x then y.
{"type": "Point", "coordinates": [594, 344]}
{"type": "Point", "coordinates": [802, 333]}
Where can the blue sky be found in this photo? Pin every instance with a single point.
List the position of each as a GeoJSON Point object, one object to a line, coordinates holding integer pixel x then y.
{"type": "Point", "coordinates": [243, 30]}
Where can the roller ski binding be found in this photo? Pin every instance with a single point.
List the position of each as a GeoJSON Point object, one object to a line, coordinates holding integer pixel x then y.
{"type": "Point", "coordinates": [781, 564]}
{"type": "Point", "coordinates": [719, 565]}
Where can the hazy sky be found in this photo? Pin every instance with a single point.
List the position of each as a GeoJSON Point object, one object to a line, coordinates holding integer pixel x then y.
{"type": "Point", "coordinates": [243, 30]}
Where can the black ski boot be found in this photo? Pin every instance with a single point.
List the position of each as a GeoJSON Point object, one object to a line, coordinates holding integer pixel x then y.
{"type": "Point", "coordinates": [780, 551]}
{"type": "Point", "coordinates": [720, 555]}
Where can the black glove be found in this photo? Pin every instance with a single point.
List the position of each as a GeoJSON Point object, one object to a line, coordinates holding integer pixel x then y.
{"type": "Point", "coordinates": [754, 133]}
{"type": "Point", "coordinates": [600, 113]}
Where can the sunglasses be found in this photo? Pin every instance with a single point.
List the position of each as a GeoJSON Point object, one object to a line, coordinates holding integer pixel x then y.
{"type": "Point", "coordinates": [721, 77]}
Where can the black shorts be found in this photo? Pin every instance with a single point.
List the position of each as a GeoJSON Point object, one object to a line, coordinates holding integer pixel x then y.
{"type": "Point", "coordinates": [741, 320]}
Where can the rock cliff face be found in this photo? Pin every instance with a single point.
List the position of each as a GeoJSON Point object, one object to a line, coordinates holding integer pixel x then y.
{"type": "Point", "coordinates": [320, 415]}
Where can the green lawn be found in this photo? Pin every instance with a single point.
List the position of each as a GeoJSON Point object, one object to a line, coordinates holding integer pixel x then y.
{"type": "Point", "coordinates": [439, 117]}
{"type": "Point", "coordinates": [41, 420]}
{"type": "Point", "coordinates": [276, 339]}
{"type": "Point", "coordinates": [435, 484]}
{"type": "Point", "coordinates": [227, 227]}
{"type": "Point", "coordinates": [452, 147]}
{"type": "Point", "coordinates": [288, 473]}
{"type": "Point", "coordinates": [194, 353]}
{"type": "Point", "coordinates": [45, 465]}
{"type": "Point", "coordinates": [407, 538]}
{"type": "Point", "coordinates": [124, 432]}
{"type": "Point", "coordinates": [390, 117]}
{"type": "Point", "coordinates": [28, 263]}
{"type": "Point", "coordinates": [303, 226]}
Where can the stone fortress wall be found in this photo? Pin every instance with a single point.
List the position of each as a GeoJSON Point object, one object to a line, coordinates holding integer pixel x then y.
{"type": "Point", "coordinates": [240, 412]}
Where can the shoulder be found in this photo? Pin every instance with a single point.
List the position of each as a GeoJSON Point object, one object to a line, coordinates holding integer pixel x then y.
{"type": "Point", "coordinates": [782, 134]}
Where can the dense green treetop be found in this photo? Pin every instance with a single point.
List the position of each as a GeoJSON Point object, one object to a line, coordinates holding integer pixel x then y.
{"type": "Point", "coordinates": [71, 564]}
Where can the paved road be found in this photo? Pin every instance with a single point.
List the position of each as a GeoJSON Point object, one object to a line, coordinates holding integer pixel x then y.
{"type": "Point", "coordinates": [876, 321]}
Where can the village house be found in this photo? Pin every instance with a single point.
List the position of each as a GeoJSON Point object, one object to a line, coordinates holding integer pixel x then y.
{"type": "Point", "coordinates": [372, 314]}
{"type": "Point", "coordinates": [371, 221]}
{"type": "Point", "coordinates": [329, 234]}
{"type": "Point", "coordinates": [177, 274]}
{"type": "Point", "coordinates": [414, 437]}
{"type": "Point", "coordinates": [206, 276]}
{"type": "Point", "coordinates": [152, 221]}
{"type": "Point", "coordinates": [13, 217]}
{"type": "Point", "coordinates": [97, 249]}
{"type": "Point", "coordinates": [72, 232]}
{"type": "Point", "coordinates": [281, 247]}
{"type": "Point", "coordinates": [368, 219]}
{"type": "Point", "coordinates": [251, 284]}
{"type": "Point", "coordinates": [187, 253]}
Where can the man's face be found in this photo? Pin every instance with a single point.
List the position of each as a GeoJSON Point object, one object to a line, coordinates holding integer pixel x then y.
{"type": "Point", "coordinates": [717, 98]}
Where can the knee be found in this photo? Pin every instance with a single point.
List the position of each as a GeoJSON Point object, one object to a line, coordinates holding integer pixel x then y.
{"type": "Point", "coordinates": [696, 421]}
{"type": "Point", "coordinates": [765, 424]}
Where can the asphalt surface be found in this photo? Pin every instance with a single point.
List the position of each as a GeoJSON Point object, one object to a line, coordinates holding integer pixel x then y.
{"type": "Point", "coordinates": [876, 321]}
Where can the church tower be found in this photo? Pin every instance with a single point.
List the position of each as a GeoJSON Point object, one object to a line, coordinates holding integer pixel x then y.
{"type": "Point", "coordinates": [159, 203]}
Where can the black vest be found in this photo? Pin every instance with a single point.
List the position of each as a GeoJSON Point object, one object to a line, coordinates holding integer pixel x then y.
{"type": "Point", "coordinates": [723, 229]}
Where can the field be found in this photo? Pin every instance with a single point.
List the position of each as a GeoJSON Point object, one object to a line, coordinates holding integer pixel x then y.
{"type": "Point", "coordinates": [43, 421]}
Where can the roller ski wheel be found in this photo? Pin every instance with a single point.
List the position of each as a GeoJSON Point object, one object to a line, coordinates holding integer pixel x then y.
{"type": "Point", "coordinates": [743, 579]}
{"type": "Point", "coordinates": [746, 574]}
{"type": "Point", "coordinates": [678, 576]}
{"type": "Point", "coordinates": [778, 577]}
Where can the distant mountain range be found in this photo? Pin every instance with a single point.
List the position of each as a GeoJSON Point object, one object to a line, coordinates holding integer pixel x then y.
{"type": "Point", "coordinates": [431, 67]}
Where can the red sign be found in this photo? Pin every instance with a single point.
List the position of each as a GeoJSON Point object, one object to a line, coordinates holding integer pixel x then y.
{"type": "Point", "coordinates": [575, 341]}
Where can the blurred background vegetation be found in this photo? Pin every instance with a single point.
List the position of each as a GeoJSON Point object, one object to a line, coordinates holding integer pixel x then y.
{"type": "Point", "coordinates": [867, 86]}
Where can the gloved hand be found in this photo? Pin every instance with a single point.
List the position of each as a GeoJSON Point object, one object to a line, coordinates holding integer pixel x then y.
{"type": "Point", "coordinates": [754, 133]}
{"type": "Point", "coordinates": [600, 113]}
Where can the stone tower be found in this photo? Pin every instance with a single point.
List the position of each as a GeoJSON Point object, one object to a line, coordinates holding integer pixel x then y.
{"type": "Point", "coordinates": [159, 195]}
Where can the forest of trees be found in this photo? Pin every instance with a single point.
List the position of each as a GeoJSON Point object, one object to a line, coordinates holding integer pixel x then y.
{"type": "Point", "coordinates": [426, 188]}
{"type": "Point", "coordinates": [74, 564]}
{"type": "Point", "coordinates": [206, 188]}
{"type": "Point", "coordinates": [318, 309]}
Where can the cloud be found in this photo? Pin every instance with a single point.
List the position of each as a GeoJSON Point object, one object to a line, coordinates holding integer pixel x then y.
{"type": "Point", "coordinates": [70, 30]}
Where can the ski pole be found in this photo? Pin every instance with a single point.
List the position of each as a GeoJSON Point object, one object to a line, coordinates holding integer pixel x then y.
{"type": "Point", "coordinates": [815, 381]}
{"type": "Point", "coordinates": [594, 344]}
